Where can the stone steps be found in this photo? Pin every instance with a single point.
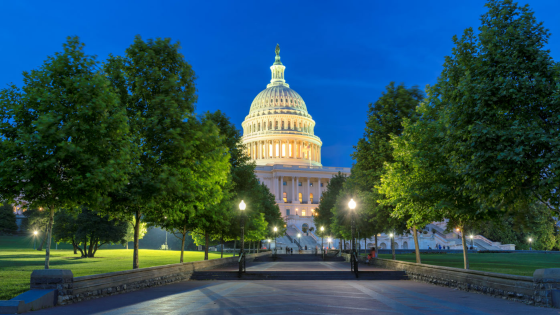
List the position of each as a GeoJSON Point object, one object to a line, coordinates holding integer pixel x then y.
{"type": "Point", "coordinates": [299, 275]}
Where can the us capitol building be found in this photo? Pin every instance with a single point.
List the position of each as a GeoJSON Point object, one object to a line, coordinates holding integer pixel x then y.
{"type": "Point", "coordinates": [279, 135]}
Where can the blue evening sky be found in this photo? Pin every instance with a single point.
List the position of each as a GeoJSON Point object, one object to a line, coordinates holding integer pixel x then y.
{"type": "Point", "coordinates": [339, 55]}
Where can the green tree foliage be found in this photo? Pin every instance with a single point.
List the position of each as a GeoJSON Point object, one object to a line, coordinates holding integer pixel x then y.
{"type": "Point", "coordinates": [129, 237]}
{"type": "Point", "coordinates": [8, 223]}
{"type": "Point", "coordinates": [88, 229]}
{"type": "Point", "coordinates": [530, 221]}
{"type": "Point", "coordinates": [180, 162]}
{"type": "Point", "coordinates": [373, 151]}
{"type": "Point", "coordinates": [384, 120]}
{"type": "Point", "coordinates": [37, 220]}
{"type": "Point", "coordinates": [324, 212]}
{"type": "Point", "coordinates": [501, 108]}
{"type": "Point", "coordinates": [63, 136]}
{"type": "Point", "coordinates": [261, 212]}
{"type": "Point", "coordinates": [420, 183]}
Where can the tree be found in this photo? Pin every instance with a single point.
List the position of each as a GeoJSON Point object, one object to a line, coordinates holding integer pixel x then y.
{"type": "Point", "coordinates": [157, 87]}
{"type": "Point", "coordinates": [499, 95]}
{"type": "Point", "coordinates": [421, 185]}
{"type": "Point", "coordinates": [37, 220]}
{"type": "Point", "coordinates": [64, 136]}
{"type": "Point", "coordinates": [384, 121]}
{"type": "Point", "coordinates": [8, 223]}
{"type": "Point", "coordinates": [129, 237]}
{"type": "Point", "coordinates": [96, 229]}
{"type": "Point", "coordinates": [323, 214]}
{"type": "Point", "coordinates": [66, 228]}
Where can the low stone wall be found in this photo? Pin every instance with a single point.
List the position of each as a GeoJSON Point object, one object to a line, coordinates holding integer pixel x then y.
{"type": "Point", "coordinates": [537, 290]}
{"type": "Point", "coordinates": [95, 286]}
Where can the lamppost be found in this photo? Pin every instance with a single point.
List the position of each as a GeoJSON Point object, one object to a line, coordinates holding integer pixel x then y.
{"type": "Point", "coordinates": [269, 244]}
{"type": "Point", "coordinates": [322, 248]}
{"type": "Point", "coordinates": [530, 243]}
{"type": "Point", "coordinates": [242, 207]}
{"type": "Point", "coordinates": [275, 230]}
{"type": "Point", "coordinates": [329, 242]}
{"type": "Point", "coordinates": [299, 240]}
{"type": "Point", "coordinates": [354, 265]}
{"type": "Point", "coordinates": [34, 238]}
{"type": "Point", "coordinates": [472, 241]}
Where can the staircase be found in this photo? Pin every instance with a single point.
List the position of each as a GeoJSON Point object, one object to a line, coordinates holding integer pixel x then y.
{"type": "Point", "coordinates": [304, 240]}
{"type": "Point", "coordinates": [299, 275]}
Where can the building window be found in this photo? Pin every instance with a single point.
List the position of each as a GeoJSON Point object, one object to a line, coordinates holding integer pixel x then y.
{"type": "Point", "coordinates": [285, 183]}
{"type": "Point", "coordinates": [285, 197]}
{"type": "Point", "coordinates": [303, 212]}
{"type": "Point", "coordinates": [321, 184]}
{"type": "Point", "coordinates": [310, 184]}
{"type": "Point", "coordinates": [299, 184]}
{"type": "Point", "coordinates": [300, 197]}
{"type": "Point", "coordinates": [287, 211]}
{"type": "Point", "coordinates": [310, 198]}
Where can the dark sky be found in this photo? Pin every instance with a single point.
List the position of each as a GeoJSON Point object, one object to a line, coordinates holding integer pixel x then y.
{"type": "Point", "coordinates": [339, 55]}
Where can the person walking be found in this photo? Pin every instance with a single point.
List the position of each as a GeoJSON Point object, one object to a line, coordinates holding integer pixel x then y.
{"type": "Point", "coordinates": [291, 251]}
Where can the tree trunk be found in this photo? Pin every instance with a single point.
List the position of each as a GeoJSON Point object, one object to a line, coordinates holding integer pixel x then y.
{"type": "Point", "coordinates": [416, 247]}
{"type": "Point", "coordinates": [49, 236]}
{"type": "Point", "coordinates": [74, 245]}
{"type": "Point", "coordinates": [45, 234]}
{"type": "Point", "coordinates": [135, 260]}
{"type": "Point", "coordinates": [206, 246]}
{"type": "Point", "coordinates": [465, 249]}
{"type": "Point", "coordinates": [234, 244]}
{"type": "Point", "coordinates": [183, 243]}
{"type": "Point", "coordinates": [376, 247]}
{"type": "Point", "coordinates": [92, 242]}
{"type": "Point", "coordinates": [126, 244]}
{"type": "Point", "coordinates": [393, 247]}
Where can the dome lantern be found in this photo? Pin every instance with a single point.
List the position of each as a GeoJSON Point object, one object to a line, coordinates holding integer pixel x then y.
{"type": "Point", "coordinates": [277, 69]}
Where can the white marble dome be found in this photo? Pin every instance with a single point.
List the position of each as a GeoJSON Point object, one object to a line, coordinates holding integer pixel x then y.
{"type": "Point", "coordinates": [278, 97]}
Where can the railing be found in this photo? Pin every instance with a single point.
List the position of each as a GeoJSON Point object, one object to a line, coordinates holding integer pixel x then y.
{"type": "Point", "coordinates": [289, 237]}
{"type": "Point", "coordinates": [297, 243]}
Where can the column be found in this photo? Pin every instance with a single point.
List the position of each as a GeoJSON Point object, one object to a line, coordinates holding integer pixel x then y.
{"type": "Point", "coordinates": [274, 183]}
{"type": "Point", "coordinates": [308, 191]}
{"type": "Point", "coordinates": [319, 187]}
{"type": "Point", "coordinates": [282, 188]}
{"type": "Point", "coordinates": [297, 190]}
{"type": "Point", "coordinates": [293, 190]}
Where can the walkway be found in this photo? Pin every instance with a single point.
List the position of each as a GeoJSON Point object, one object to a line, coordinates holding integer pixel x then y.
{"type": "Point", "coordinates": [297, 297]}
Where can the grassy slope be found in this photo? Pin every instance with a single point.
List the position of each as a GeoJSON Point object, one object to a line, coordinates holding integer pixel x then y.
{"type": "Point", "coordinates": [16, 264]}
{"type": "Point", "coordinates": [515, 264]}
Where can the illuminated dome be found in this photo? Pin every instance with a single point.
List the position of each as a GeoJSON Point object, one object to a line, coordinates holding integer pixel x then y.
{"type": "Point", "coordinates": [278, 129]}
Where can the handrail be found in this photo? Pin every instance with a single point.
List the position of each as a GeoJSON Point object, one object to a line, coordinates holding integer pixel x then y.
{"type": "Point", "coordinates": [240, 256]}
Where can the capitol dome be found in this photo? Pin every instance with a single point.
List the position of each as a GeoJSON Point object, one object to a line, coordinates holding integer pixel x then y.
{"type": "Point", "coordinates": [278, 97]}
{"type": "Point", "coordinates": [278, 129]}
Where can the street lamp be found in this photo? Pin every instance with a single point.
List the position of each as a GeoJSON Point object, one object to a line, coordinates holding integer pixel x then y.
{"type": "Point", "coordinates": [34, 238]}
{"type": "Point", "coordinates": [329, 242]}
{"type": "Point", "coordinates": [299, 240]}
{"type": "Point", "coordinates": [354, 265]}
{"type": "Point", "coordinates": [530, 242]}
{"type": "Point", "coordinates": [242, 207]}
{"type": "Point", "coordinates": [269, 243]}
{"type": "Point", "coordinates": [322, 246]}
{"type": "Point", "coordinates": [472, 241]}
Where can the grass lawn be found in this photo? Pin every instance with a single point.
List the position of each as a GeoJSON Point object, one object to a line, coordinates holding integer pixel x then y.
{"type": "Point", "coordinates": [514, 264]}
{"type": "Point", "coordinates": [16, 263]}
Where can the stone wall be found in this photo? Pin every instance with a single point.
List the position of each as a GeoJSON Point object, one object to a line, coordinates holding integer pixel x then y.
{"type": "Point", "coordinates": [95, 286]}
{"type": "Point", "coordinates": [537, 290]}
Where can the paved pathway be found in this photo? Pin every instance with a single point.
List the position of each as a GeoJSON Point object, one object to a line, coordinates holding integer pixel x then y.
{"type": "Point", "coordinates": [297, 297]}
